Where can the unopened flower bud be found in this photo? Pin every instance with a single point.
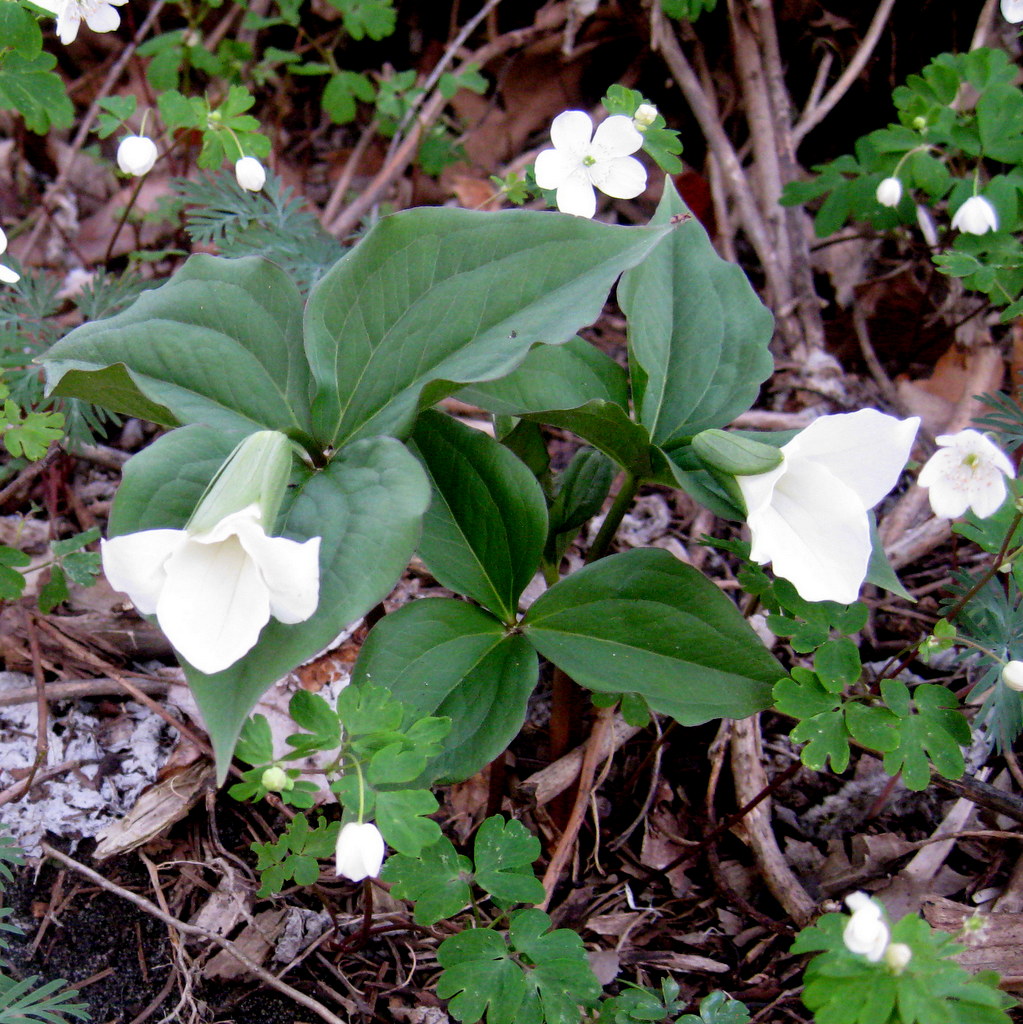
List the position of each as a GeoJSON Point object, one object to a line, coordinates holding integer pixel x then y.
{"type": "Point", "coordinates": [136, 155]}
{"type": "Point", "coordinates": [1012, 675]}
{"type": "Point", "coordinates": [865, 932]}
{"type": "Point", "coordinates": [360, 851]}
{"type": "Point", "coordinates": [919, 122]}
{"type": "Point", "coordinates": [646, 114]}
{"type": "Point", "coordinates": [251, 174]}
{"type": "Point", "coordinates": [889, 192]}
{"type": "Point", "coordinates": [735, 454]}
{"type": "Point", "coordinates": [897, 957]}
{"type": "Point", "coordinates": [275, 780]}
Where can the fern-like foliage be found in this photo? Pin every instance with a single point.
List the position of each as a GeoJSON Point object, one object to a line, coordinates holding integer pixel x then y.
{"type": "Point", "coordinates": [271, 223]}
{"type": "Point", "coordinates": [1005, 419]}
{"type": "Point", "coordinates": [29, 1001]}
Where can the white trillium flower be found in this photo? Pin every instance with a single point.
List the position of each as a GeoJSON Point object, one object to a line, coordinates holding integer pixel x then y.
{"type": "Point", "coordinates": [1012, 675]}
{"type": "Point", "coordinates": [968, 471]}
{"type": "Point", "coordinates": [578, 163]}
{"type": "Point", "coordinates": [1012, 11]}
{"type": "Point", "coordinates": [865, 933]}
{"type": "Point", "coordinates": [808, 516]}
{"type": "Point", "coordinates": [251, 174]}
{"type": "Point", "coordinates": [99, 15]}
{"type": "Point", "coordinates": [889, 192]}
{"type": "Point", "coordinates": [7, 276]}
{"type": "Point", "coordinates": [136, 155]}
{"type": "Point", "coordinates": [975, 217]}
{"type": "Point", "coordinates": [360, 851]}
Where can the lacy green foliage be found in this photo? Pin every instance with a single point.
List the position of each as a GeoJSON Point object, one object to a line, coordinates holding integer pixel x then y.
{"type": "Point", "coordinates": [959, 122]}
{"type": "Point", "coordinates": [636, 1005]}
{"type": "Point", "coordinates": [439, 881]}
{"type": "Point", "coordinates": [28, 81]}
{"type": "Point", "coordinates": [273, 223]}
{"type": "Point", "coordinates": [28, 1001]}
{"type": "Point", "coordinates": [529, 973]}
{"type": "Point", "coordinates": [295, 856]}
{"type": "Point", "coordinates": [845, 988]}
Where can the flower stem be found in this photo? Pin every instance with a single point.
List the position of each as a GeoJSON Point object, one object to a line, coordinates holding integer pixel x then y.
{"type": "Point", "coordinates": [623, 499]}
{"type": "Point", "coordinates": [989, 573]}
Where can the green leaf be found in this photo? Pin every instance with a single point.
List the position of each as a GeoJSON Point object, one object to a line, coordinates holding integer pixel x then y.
{"type": "Point", "coordinates": [255, 744]}
{"type": "Point", "coordinates": [367, 505]}
{"type": "Point", "coordinates": [837, 664]}
{"type": "Point", "coordinates": [315, 715]}
{"type": "Point", "coordinates": [341, 92]}
{"type": "Point", "coordinates": [485, 531]}
{"type": "Point", "coordinates": [30, 434]}
{"type": "Point", "coordinates": [480, 977]}
{"type": "Point", "coordinates": [449, 658]}
{"type": "Point", "coordinates": [932, 727]}
{"type": "Point", "coordinates": [645, 622]}
{"type": "Point", "coordinates": [435, 296]}
{"type": "Point", "coordinates": [54, 591]}
{"type": "Point", "coordinates": [368, 708]}
{"type": "Point", "coordinates": [607, 426]}
{"type": "Point", "coordinates": [12, 582]}
{"type": "Point", "coordinates": [19, 30]}
{"type": "Point", "coordinates": [29, 84]}
{"type": "Point", "coordinates": [822, 721]}
{"type": "Point", "coordinates": [220, 344]}
{"type": "Point", "coordinates": [698, 334]}
{"type": "Point", "coordinates": [373, 18]}
{"type": "Point", "coordinates": [402, 822]}
{"type": "Point", "coordinates": [583, 488]}
{"type": "Point", "coordinates": [436, 881]}
{"type": "Point", "coordinates": [504, 854]}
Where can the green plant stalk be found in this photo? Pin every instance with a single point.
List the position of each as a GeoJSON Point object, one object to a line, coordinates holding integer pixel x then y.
{"type": "Point", "coordinates": [990, 573]}
{"type": "Point", "coordinates": [623, 499]}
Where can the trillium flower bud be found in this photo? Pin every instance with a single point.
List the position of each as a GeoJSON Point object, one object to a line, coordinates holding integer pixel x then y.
{"type": "Point", "coordinates": [251, 174]}
{"type": "Point", "coordinates": [1012, 676]}
{"type": "Point", "coordinates": [136, 155]}
{"type": "Point", "coordinates": [975, 217]}
{"type": "Point", "coordinates": [360, 851]}
{"type": "Point", "coordinates": [734, 454]}
{"type": "Point", "coordinates": [646, 114]}
{"type": "Point", "coordinates": [276, 780]}
{"type": "Point", "coordinates": [889, 192]}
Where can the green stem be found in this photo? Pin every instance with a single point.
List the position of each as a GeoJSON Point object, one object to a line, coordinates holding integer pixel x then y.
{"type": "Point", "coordinates": [990, 573]}
{"type": "Point", "coordinates": [124, 218]}
{"type": "Point", "coordinates": [613, 519]}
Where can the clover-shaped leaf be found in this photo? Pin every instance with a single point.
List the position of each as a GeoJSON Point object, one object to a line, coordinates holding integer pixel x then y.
{"type": "Point", "coordinates": [480, 977]}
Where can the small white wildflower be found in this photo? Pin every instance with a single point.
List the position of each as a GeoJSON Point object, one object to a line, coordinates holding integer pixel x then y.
{"type": "Point", "coordinates": [7, 276]}
{"type": "Point", "coordinates": [968, 471]}
{"type": "Point", "coordinates": [889, 192]}
{"type": "Point", "coordinates": [1012, 11]}
{"type": "Point", "coordinates": [251, 174]}
{"type": "Point", "coordinates": [360, 851]}
{"type": "Point", "coordinates": [136, 155]}
{"type": "Point", "coordinates": [975, 217]}
{"type": "Point", "coordinates": [1012, 675]}
{"type": "Point", "coordinates": [897, 957]}
{"type": "Point", "coordinates": [99, 15]}
{"type": "Point", "coordinates": [646, 114]}
{"type": "Point", "coordinates": [865, 932]}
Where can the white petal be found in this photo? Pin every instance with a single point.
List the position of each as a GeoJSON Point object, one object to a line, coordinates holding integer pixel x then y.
{"type": "Point", "coordinates": [8, 276]}
{"type": "Point", "coordinates": [1012, 11]}
{"type": "Point", "coordinates": [553, 166]}
{"type": "Point", "coordinates": [576, 196]}
{"type": "Point", "coordinates": [231, 525]}
{"type": "Point", "coordinates": [815, 533]}
{"type": "Point", "coordinates": [103, 19]}
{"type": "Point", "coordinates": [987, 492]}
{"type": "Point", "coordinates": [360, 851]}
{"type": "Point", "coordinates": [866, 450]}
{"type": "Point", "coordinates": [622, 178]}
{"type": "Point", "coordinates": [214, 603]}
{"type": "Point", "coordinates": [136, 564]}
{"type": "Point", "coordinates": [3, 241]}
{"type": "Point", "coordinates": [571, 132]}
{"type": "Point", "coordinates": [290, 570]}
{"type": "Point", "coordinates": [616, 136]}
{"type": "Point", "coordinates": [68, 21]}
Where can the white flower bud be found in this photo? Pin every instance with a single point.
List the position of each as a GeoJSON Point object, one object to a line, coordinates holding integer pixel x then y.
{"type": "Point", "coordinates": [1012, 676]}
{"type": "Point", "coordinates": [865, 933]}
{"type": "Point", "coordinates": [646, 114]}
{"type": "Point", "coordinates": [136, 155]}
{"type": "Point", "coordinates": [251, 174]}
{"type": "Point", "coordinates": [360, 851]}
{"type": "Point", "coordinates": [889, 192]}
{"type": "Point", "coordinates": [275, 779]}
{"type": "Point", "coordinates": [1012, 11]}
{"type": "Point", "coordinates": [897, 957]}
{"type": "Point", "coordinates": [975, 217]}
{"type": "Point", "coordinates": [927, 226]}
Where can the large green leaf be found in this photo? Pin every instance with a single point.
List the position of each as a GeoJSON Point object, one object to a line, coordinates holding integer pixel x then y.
{"type": "Point", "coordinates": [553, 377]}
{"type": "Point", "coordinates": [485, 531]}
{"type": "Point", "coordinates": [645, 622]}
{"type": "Point", "coordinates": [435, 296]}
{"type": "Point", "coordinates": [698, 334]}
{"type": "Point", "coordinates": [367, 505]}
{"type": "Point", "coordinates": [220, 343]}
{"type": "Point", "coordinates": [450, 658]}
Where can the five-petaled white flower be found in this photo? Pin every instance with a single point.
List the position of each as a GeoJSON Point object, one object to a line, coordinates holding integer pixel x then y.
{"type": "Point", "coordinates": [889, 192]}
{"type": "Point", "coordinates": [865, 932]}
{"type": "Point", "coordinates": [99, 15]}
{"type": "Point", "coordinates": [212, 592]}
{"type": "Point", "coordinates": [360, 851]}
{"type": "Point", "coordinates": [975, 217]}
{"type": "Point", "coordinates": [808, 516]}
{"type": "Point", "coordinates": [136, 155]}
{"type": "Point", "coordinates": [7, 275]}
{"type": "Point", "coordinates": [251, 174]}
{"type": "Point", "coordinates": [967, 471]}
{"type": "Point", "coordinates": [1012, 11]}
{"type": "Point", "coordinates": [578, 163]}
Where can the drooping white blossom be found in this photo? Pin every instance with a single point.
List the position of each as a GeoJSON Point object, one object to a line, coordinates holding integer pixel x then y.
{"type": "Point", "coordinates": [7, 276]}
{"type": "Point", "coordinates": [251, 174]}
{"type": "Point", "coordinates": [889, 192]}
{"type": "Point", "coordinates": [975, 217]}
{"type": "Point", "coordinates": [360, 851]}
{"type": "Point", "coordinates": [1012, 11]}
{"type": "Point", "coordinates": [1012, 675]}
{"type": "Point", "coordinates": [136, 155]}
{"type": "Point", "coordinates": [968, 471]}
{"type": "Point", "coordinates": [808, 516]}
{"type": "Point", "coordinates": [865, 932]}
{"type": "Point", "coordinates": [582, 160]}
{"type": "Point", "coordinates": [99, 15]}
